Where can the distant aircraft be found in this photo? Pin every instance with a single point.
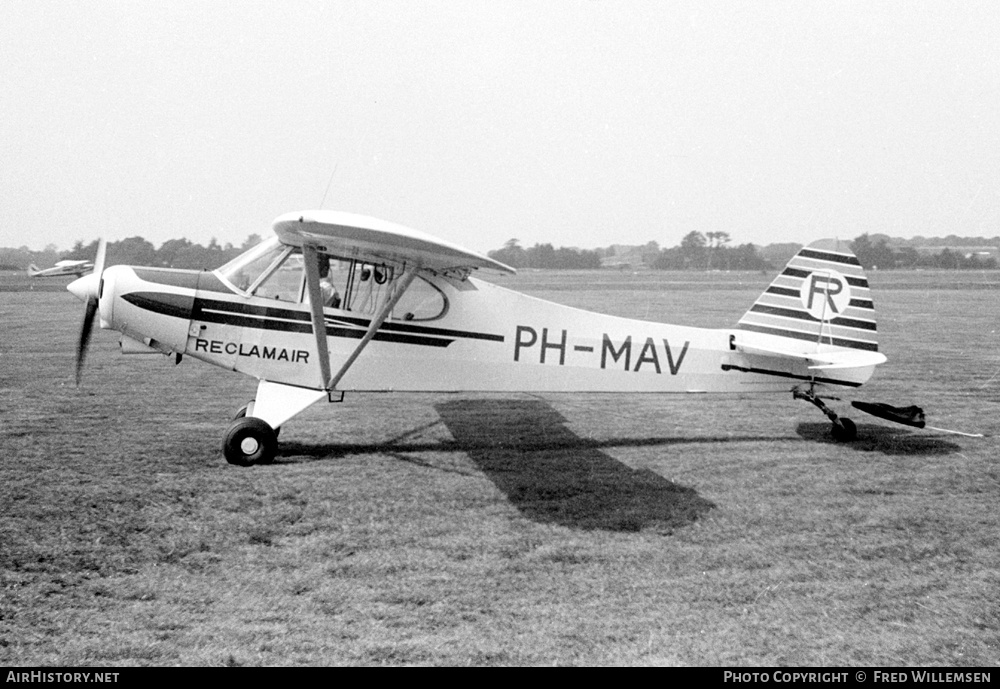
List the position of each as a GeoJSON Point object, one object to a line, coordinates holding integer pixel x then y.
{"type": "Point", "coordinates": [337, 303]}
{"type": "Point", "coordinates": [61, 269]}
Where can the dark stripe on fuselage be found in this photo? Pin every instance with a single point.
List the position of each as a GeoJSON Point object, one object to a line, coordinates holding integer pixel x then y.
{"type": "Point", "coordinates": [783, 374]}
{"type": "Point", "coordinates": [289, 320]}
{"type": "Point", "coordinates": [209, 282]}
{"type": "Point", "coordinates": [806, 316]}
{"type": "Point", "coordinates": [243, 308]}
{"type": "Point", "coordinates": [246, 315]}
{"type": "Point", "coordinates": [175, 305]}
{"type": "Point", "coordinates": [424, 330]}
{"type": "Point", "coordinates": [253, 310]}
{"type": "Point", "coordinates": [811, 337]}
{"type": "Point", "coordinates": [249, 321]}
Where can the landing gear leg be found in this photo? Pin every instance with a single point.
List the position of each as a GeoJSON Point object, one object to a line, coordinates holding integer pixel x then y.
{"type": "Point", "coordinates": [252, 438]}
{"type": "Point", "coordinates": [843, 429]}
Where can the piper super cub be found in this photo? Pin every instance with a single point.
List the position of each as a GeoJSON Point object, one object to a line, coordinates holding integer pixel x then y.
{"type": "Point", "coordinates": [337, 302]}
{"type": "Point", "coordinates": [61, 269]}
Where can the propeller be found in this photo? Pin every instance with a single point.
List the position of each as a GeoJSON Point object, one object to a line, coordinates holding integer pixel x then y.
{"type": "Point", "coordinates": [88, 289]}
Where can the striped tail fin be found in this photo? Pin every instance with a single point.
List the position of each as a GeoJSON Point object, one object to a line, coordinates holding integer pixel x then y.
{"type": "Point", "coordinates": [821, 296]}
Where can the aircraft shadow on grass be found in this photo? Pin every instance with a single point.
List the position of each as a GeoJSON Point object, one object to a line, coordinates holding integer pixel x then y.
{"type": "Point", "coordinates": [554, 476]}
{"type": "Point", "coordinates": [885, 439]}
{"type": "Point", "coordinates": [550, 474]}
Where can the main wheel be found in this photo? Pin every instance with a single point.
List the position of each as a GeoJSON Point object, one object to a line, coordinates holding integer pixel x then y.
{"type": "Point", "coordinates": [249, 441]}
{"type": "Point", "coordinates": [844, 430]}
{"type": "Point", "coordinates": [242, 412]}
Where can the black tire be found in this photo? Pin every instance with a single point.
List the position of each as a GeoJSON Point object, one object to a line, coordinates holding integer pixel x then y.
{"type": "Point", "coordinates": [250, 441]}
{"type": "Point", "coordinates": [844, 430]}
{"type": "Point", "coordinates": [242, 412]}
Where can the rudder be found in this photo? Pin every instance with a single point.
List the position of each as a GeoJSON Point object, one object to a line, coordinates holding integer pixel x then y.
{"type": "Point", "coordinates": [821, 296]}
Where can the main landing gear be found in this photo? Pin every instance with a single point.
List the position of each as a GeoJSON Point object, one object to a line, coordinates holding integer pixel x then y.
{"type": "Point", "coordinates": [250, 440]}
{"type": "Point", "coordinates": [843, 429]}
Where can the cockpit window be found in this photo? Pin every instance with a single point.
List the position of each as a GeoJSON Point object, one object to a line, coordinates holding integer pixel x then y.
{"type": "Point", "coordinates": [275, 271]}
{"type": "Point", "coordinates": [370, 286]}
{"type": "Point", "coordinates": [423, 301]}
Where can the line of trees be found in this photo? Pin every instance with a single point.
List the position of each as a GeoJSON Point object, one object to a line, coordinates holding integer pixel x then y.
{"type": "Point", "coordinates": [708, 251]}
{"type": "Point", "coordinates": [174, 253]}
{"type": "Point", "coordinates": [876, 253]}
{"type": "Point", "coordinates": [545, 256]}
{"type": "Point", "coordinates": [711, 251]}
{"type": "Point", "coordinates": [697, 251]}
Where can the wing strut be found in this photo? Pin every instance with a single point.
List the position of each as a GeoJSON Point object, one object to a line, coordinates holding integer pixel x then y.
{"type": "Point", "coordinates": [319, 321]}
{"type": "Point", "coordinates": [311, 261]}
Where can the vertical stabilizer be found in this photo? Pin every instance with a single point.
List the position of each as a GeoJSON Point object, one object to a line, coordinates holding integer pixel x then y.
{"type": "Point", "coordinates": [821, 296]}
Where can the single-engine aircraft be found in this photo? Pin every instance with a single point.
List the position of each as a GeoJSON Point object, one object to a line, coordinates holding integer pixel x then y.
{"type": "Point", "coordinates": [337, 302]}
{"type": "Point", "coordinates": [61, 269]}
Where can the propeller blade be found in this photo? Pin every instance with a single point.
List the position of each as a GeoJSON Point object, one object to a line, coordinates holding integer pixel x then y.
{"type": "Point", "coordinates": [102, 249]}
{"type": "Point", "coordinates": [88, 288]}
{"type": "Point", "coordinates": [90, 310]}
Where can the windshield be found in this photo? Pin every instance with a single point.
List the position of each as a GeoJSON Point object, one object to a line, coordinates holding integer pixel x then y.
{"type": "Point", "coordinates": [249, 268]}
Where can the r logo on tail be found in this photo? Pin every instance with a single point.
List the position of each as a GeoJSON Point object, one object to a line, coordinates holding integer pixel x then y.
{"type": "Point", "coordinates": [825, 295]}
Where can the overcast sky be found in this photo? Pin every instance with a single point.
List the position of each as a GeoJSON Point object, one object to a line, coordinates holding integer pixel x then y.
{"type": "Point", "coordinates": [576, 123]}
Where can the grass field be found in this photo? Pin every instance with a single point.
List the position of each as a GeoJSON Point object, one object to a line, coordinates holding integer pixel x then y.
{"type": "Point", "coordinates": [513, 529]}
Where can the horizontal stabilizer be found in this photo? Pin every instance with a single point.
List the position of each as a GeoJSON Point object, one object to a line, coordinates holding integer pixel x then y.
{"type": "Point", "coordinates": [822, 361]}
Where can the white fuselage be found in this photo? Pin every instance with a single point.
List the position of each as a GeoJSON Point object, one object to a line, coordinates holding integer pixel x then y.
{"type": "Point", "coordinates": [486, 338]}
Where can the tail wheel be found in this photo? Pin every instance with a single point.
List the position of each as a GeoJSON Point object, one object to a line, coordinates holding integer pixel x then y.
{"type": "Point", "coordinates": [250, 441]}
{"type": "Point", "coordinates": [844, 430]}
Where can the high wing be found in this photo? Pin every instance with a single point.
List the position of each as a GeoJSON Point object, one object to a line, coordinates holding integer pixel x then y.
{"type": "Point", "coordinates": [369, 240]}
{"type": "Point", "coordinates": [374, 240]}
